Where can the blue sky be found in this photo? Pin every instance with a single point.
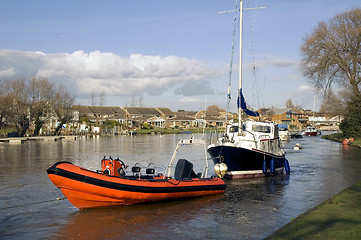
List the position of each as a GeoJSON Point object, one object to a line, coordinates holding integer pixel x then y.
{"type": "Point", "coordinates": [162, 53]}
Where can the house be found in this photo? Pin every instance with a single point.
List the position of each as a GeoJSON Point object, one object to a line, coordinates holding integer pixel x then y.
{"type": "Point", "coordinates": [155, 116]}
{"type": "Point", "coordinates": [156, 122]}
{"type": "Point", "coordinates": [49, 118]}
{"type": "Point", "coordinates": [183, 119]}
{"type": "Point", "coordinates": [98, 114]}
{"type": "Point", "coordinates": [289, 116]}
{"type": "Point", "coordinates": [211, 118]}
{"type": "Point", "coordinates": [166, 113]}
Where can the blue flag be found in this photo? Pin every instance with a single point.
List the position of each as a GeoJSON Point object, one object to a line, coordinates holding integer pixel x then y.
{"type": "Point", "coordinates": [244, 106]}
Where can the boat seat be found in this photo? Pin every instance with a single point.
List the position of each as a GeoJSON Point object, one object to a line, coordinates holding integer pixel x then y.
{"type": "Point", "coordinates": [136, 170]}
{"type": "Point", "coordinates": [184, 170]}
{"type": "Point", "coordinates": [150, 170]}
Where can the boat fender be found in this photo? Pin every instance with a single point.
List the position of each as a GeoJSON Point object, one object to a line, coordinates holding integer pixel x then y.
{"type": "Point", "coordinates": [264, 167]}
{"type": "Point", "coordinates": [297, 147]}
{"type": "Point", "coordinates": [272, 166]}
{"type": "Point", "coordinates": [287, 166]}
{"type": "Point", "coordinates": [220, 169]}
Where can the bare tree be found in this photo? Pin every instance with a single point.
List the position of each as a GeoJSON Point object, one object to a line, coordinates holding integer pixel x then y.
{"type": "Point", "coordinates": [141, 101]}
{"type": "Point", "coordinates": [61, 104]}
{"type": "Point", "coordinates": [24, 104]}
{"type": "Point", "coordinates": [16, 93]}
{"type": "Point", "coordinates": [132, 101]}
{"type": "Point", "coordinates": [5, 102]}
{"type": "Point", "coordinates": [214, 108]}
{"type": "Point", "coordinates": [102, 98]}
{"type": "Point", "coordinates": [289, 103]}
{"type": "Point", "coordinates": [332, 53]}
{"type": "Point", "coordinates": [93, 99]}
{"type": "Point", "coordinates": [42, 93]}
{"type": "Point", "coordinates": [332, 104]}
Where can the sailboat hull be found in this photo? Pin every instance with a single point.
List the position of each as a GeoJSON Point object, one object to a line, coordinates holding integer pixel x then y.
{"type": "Point", "coordinates": [246, 163]}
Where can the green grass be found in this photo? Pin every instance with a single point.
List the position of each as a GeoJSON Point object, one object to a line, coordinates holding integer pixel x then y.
{"type": "Point", "coordinates": [338, 137]}
{"type": "Point", "coordinates": [5, 131]}
{"type": "Point", "coordinates": [337, 218]}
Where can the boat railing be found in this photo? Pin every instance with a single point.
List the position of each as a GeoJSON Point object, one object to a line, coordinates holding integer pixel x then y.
{"type": "Point", "coordinates": [254, 138]}
{"type": "Point", "coordinates": [269, 145]}
{"type": "Point", "coordinates": [191, 141]}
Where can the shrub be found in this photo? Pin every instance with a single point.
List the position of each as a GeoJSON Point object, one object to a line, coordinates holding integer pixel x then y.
{"type": "Point", "coordinates": [351, 124]}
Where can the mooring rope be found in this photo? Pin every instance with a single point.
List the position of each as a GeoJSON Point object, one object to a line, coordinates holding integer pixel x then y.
{"type": "Point", "coordinates": [24, 205]}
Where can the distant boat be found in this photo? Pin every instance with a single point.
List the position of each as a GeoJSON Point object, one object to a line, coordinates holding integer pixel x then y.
{"type": "Point", "coordinates": [296, 134]}
{"type": "Point", "coordinates": [310, 131]}
{"type": "Point", "coordinates": [112, 187]}
{"type": "Point", "coordinates": [249, 148]}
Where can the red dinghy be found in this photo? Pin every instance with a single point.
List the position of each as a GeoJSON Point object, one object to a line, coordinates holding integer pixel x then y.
{"type": "Point", "coordinates": [111, 187]}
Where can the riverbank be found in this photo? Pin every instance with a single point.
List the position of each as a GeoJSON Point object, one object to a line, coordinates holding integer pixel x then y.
{"type": "Point", "coordinates": [38, 138]}
{"type": "Point", "coordinates": [338, 137]}
{"type": "Point", "coordinates": [339, 217]}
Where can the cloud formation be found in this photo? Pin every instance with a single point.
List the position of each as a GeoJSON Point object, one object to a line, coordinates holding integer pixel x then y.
{"type": "Point", "coordinates": [97, 71]}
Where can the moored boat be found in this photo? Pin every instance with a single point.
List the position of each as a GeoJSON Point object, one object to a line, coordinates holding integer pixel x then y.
{"type": "Point", "coordinates": [296, 134]}
{"type": "Point", "coordinates": [310, 131]}
{"type": "Point", "coordinates": [110, 186]}
{"type": "Point", "coordinates": [249, 148]}
{"type": "Point", "coordinates": [254, 153]}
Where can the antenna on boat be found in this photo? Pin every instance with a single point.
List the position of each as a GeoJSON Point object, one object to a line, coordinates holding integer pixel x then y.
{"type": "Point", "coordinates": [241, 9]}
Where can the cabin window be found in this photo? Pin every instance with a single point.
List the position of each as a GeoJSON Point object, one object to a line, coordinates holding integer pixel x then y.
{"type": "Point", "coordinates": [261, 128]}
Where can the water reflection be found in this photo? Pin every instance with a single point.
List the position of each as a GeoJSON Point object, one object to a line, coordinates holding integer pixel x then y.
{"type": "Point", "coordinates": [146, 221]}
{"type": "Point", "coordinates": [249, 209]}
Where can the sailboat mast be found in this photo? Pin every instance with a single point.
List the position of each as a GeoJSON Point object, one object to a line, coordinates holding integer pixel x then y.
{"type": "Point", "coordinates": [314, 109]}
{"type": "Point", "coordinates": [240, 124]}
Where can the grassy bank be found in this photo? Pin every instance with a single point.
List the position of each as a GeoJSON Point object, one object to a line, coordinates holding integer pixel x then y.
{"type": "Point", "coordinates": [337, 218]}
{"type": "Point", "coordinates": [338, 137]}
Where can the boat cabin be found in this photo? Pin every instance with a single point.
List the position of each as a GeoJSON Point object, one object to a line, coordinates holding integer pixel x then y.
{"type": "Point", "coordinates": [261, 130]}
{"type": "Point", "coordinates": [255, 135]}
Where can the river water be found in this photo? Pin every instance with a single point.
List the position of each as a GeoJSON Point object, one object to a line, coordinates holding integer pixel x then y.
{"type": "Point", "coordinates": [249, 209]}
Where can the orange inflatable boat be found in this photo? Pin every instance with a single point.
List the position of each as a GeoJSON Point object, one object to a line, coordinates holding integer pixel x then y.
{"type": "Point", "coordinates": [112, 187]}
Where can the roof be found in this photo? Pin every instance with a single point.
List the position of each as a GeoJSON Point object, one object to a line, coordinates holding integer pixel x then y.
{"type": "Point", "coordinates": [102, 110]}
{"type": "Point", "coordinates": [188, 113]}
{"type": "Point", "coordinates": [183, 118]}
{"type": "Point", "coordinates": [165, 111]}
{"type": "Point", "coordinates": [83, 110]}
{"type": "Point", "coordinates": [280, 110]}
{"type": "Point", "coordinates": [141, 111]}
{"type": "Point", "coordinates": [98, 110]}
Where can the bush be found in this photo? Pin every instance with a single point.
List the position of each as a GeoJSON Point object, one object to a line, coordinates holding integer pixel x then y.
{"type": "Point", "coordinates": [351, 124]}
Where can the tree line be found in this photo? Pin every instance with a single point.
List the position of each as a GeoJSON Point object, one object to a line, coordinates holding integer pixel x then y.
{"type": "Point", "coordinates": [331, 60]}
{"type": "Point", "coordinates": [25, 102]}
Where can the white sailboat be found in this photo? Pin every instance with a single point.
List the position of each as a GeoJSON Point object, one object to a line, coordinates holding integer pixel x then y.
{"type": "Point", "coordinates": [248, 148]}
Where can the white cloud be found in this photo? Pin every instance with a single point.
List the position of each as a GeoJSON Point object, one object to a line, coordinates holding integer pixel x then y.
{"type": "Point", "coordinates": [84, 73]}
{"type": "Point", "coordinates": [7, 72]}
{"type": "Point", "coordinates": [274, 61]}
{"type": "Point", "coordinates": [191, 100]}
